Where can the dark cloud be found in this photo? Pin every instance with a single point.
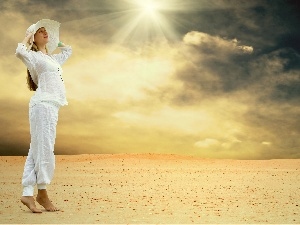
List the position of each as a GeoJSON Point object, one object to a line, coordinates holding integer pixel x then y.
{"type": "Point", "coordinates": [218, 65]}
{"type": "Point", "coordinates": [287, 91]}
{"type": "Point", "coordinates": [262, 24]}
{"type": "Point", "coordinates": [14, 128]}
{"type": "Point", "coordinates": [271, 81]}
{"type": "Point", "coordinates": [277, 123]}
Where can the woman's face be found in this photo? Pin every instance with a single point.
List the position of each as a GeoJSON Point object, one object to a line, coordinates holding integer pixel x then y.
{"type": "Point", "coordinates": [41, 36]}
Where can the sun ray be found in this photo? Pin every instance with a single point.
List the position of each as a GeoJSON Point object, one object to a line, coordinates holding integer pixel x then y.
{"type": "Point", "coordinates": [148, 24]}
{"type": "Point", "coordinates": [136, 22]}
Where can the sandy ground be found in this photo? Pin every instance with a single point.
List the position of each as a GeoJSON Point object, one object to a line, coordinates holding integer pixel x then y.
{"type": "Point", "coordinates": [137, 189]}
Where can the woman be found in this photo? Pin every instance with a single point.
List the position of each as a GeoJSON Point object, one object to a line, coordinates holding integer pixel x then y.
{"type": "Point", "coordinates": [44, 76]}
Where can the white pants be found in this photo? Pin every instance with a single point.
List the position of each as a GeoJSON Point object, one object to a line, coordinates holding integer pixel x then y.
{"type": "Point", "coordinates": [40, 163]}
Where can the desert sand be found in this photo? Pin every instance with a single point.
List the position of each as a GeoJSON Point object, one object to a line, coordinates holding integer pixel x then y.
{"type": "Point", "coordinates": [153, 188]}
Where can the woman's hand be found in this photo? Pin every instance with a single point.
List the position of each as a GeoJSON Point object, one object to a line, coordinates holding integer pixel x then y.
{"type": "Point", "coordinates": [28, 38]}
{"type": "Point", "coordinates": [61, 44]}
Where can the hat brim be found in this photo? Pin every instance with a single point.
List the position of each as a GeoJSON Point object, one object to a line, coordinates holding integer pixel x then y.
{"type": "Point", "coordinates": [52, 28]}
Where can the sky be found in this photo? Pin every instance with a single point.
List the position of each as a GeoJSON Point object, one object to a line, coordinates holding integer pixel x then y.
{"type": "Point", "coordinates": [207, 78]}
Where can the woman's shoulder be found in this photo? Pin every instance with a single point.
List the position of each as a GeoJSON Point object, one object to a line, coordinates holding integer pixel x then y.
{"type": "Point", "coordinates": [23, 48]}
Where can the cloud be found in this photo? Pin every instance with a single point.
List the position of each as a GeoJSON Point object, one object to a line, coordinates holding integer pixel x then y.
{"type": "Point", "coordinates": [215, 43]}
{"type": "Point", "coordinates": [173, 120]}
{"type": "Point", "coordinates": [275, 75]}
{"type": "Point", "coordinates": [208, 142]}
{"type": "Point", "coordinates": [266, 143]}
{"type": "Point", "coordinates": [119, 74]}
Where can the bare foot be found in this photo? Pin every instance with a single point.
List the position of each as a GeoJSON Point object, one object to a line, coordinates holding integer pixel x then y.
{"type": "Point", "coordinates": [29, 202]}
{"type": "Point", "coordinates": [43, 200]}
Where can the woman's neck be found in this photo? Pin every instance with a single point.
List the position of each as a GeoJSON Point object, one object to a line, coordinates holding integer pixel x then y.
{"type": "Point", "coordinates": [42, 48]}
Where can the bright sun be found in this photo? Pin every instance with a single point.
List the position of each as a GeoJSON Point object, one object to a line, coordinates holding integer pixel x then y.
{"type": "Point", "coordinates": [146, 20]}
{"type": "Point", "coordinates": [149, 7]}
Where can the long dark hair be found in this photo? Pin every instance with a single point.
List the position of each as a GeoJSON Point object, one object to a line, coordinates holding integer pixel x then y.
{"type": "Point", "coordinates": [31, 85]}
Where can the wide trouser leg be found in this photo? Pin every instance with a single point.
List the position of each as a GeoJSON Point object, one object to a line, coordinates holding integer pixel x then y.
{"type": "Point", "coordinates": [40, 163]}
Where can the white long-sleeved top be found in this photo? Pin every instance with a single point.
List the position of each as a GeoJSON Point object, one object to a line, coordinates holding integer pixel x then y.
{"type": "Point", "coordinates": [46, 73]}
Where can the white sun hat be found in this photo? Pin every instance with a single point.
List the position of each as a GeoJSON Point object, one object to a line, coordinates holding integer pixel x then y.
{"type": "Point", "coordinates": [52, 28]}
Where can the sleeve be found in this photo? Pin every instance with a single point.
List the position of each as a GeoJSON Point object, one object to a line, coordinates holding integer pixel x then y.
{"type": "Point", "coordinates": [63, 55]}
{"type": "Point", "coordinates": [26, 56]}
